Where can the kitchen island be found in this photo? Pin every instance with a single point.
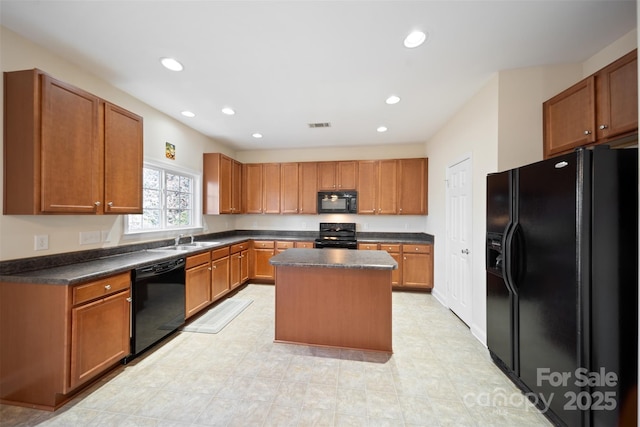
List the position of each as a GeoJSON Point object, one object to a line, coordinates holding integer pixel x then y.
{"type": "Point", "coordinates": [334, 297]}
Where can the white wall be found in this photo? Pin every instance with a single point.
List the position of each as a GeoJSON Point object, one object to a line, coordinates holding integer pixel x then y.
{"type": "Point", "coordinates": [501, 126]}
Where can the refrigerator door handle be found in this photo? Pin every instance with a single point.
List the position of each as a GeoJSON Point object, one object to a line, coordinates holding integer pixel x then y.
{"type": "Point", "coordinates": [513, 258]}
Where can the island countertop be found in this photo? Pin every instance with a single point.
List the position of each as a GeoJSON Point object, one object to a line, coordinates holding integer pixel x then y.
{"type": "Point", "coordinates": [334, 258]}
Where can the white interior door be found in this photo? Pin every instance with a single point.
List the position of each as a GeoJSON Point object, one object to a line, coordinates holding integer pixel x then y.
{"type": "Point", "coordinates": [459, 239]}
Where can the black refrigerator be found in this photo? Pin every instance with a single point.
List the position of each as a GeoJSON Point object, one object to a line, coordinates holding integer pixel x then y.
{"type": "Point", "coordinates": [562, 284]}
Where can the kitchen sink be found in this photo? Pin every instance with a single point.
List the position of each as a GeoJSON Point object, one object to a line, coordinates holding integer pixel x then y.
{"type": "Point", "coordinates": [186, 246]}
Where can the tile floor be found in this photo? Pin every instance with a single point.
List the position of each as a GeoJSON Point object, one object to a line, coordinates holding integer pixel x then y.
{"type": "Point", "coordinates": [439, 375]}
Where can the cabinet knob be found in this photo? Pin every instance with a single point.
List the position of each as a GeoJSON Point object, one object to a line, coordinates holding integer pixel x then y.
{"type": "Point", "coordinates": [213, 267]}
{"type": "Point", "coordinates": [603, 127]}
{"type": "Point", "coordinates": [107, 287]}
{"type": "Point", "coordinates": [587, 132]}
{"type": "Point", "coordinates": [129, 299]}
{"type": "Point", "coordinates": [417, 249]}
{"type": "Point", "coordinates": [110, 204]}
{"type": "Point", "coordinates": [97, 203]}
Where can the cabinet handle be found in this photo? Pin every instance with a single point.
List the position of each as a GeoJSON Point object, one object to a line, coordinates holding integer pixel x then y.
{"type": "Point", "coordinates": [587, 132]}
{"type": "Point", "coordinates": [129, 299]}
{"type": "Point", "coordinates": [97, 203]}
{"type": "Point", "coordinates": [213, 267]}
{"type": "Point", "coordinates": [110, 204]}
{"type": "Point", "coordinates": [465, 251]}
{"type": "Point", "coordinates": [107, 287]}
{"type": "Point", "coordinates": [603, 127]}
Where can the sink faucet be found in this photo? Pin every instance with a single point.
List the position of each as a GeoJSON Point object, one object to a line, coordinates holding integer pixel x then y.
{"type": "Point", "coordinates": [178, 239]}
{"type": "Point", "coordinates": [191, 235]}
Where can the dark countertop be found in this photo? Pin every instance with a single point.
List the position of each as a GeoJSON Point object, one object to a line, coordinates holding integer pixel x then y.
{"type": "Point", "coordinates": [334, 258]}
{"type": "Point", "coordinates": [78, 267]}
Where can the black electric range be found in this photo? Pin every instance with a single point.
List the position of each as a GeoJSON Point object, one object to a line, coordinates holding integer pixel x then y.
{"type": "Point", "coordinates": [337, 235]}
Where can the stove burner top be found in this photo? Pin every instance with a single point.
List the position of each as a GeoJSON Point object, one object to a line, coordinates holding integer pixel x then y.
{"type": "Point", "coordinates": [337, 235]}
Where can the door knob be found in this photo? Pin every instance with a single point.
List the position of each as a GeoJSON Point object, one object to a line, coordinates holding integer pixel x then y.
{"type": "Point", "coordinates": [465, 251]}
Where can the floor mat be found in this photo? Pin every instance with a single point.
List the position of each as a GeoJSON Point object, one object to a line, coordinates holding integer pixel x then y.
{"type": "Point", "coordinates": [218, 317]}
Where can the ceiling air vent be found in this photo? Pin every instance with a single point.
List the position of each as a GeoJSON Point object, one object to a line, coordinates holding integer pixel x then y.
{"type": "Point", "coordinates": [319, 125]}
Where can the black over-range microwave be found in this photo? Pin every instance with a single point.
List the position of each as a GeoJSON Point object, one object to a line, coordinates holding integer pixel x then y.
{"type": "Point", "coordinates": [337, 202]}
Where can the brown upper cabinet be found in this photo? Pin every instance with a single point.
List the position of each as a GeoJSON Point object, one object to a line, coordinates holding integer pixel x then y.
{"type": "Point", "coordinates": [68, 151]}
{"type": "Point", "coordinates": [261, 185]}
{"type": "Point", "coordinates": [378, 187]}
{"type": "Point", "coordinates": [413, 175]}
{"type": "Point", "coordinates": [337, 175]}
{"type": "Point", "coordinates": [222, 187]}
{"type": "Point", "coordinates": [599, 109]}
{"type": "Point", "coordinates": [298, 194]}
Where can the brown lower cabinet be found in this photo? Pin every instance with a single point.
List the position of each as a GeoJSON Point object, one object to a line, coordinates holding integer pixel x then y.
{"type": "Point", "coordinates": [239, 264]}
{"type": "Point", "coordinates": [415, 263]}
{"type": "Point", "coordinates": [261, 252]}
{"type": "Point", "coordinates": [57, 338]}
{"type": "Point", "coordinates": [197, 283]}
{"type": "Point", "coordinates": [220, 278]}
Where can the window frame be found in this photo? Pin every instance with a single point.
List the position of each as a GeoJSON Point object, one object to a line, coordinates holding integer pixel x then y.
{"type": "Point", "coordinates": [164, 168]}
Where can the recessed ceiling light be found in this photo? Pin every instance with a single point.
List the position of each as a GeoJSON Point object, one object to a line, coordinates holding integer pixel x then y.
{"type": "Point", "coordinates": [228, 111]}
{"type": "Point", "coordinates": [171, 64]}
{"type": "Point", "coordinates": [415, 39]}
{"type": "Point", "coordinates": [188, 114]}
{"type": "Point", "coordinates": [257, 135]}
{"type": "Point", "coordinates": [382, 129]}
{"type": "Point", "coordinates": [393, 99]}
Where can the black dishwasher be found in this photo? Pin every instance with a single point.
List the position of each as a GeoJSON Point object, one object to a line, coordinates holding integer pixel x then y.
{"type": "Point", "coordinates": [158, 303]}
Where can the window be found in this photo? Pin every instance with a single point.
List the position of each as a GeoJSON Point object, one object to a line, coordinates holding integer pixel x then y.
{"type": "Point", "coordinates": [169, 201]}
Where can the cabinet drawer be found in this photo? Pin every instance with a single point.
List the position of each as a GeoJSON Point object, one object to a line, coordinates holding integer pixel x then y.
{"type": "Point", "coordinates": [239, 247]}
{"type": "Point", "coordinates": [393, 247]}
{"type": "Point", "coordinates": [421, 249]}
{"type": "Point", "coordinates": [368, 246]}
{"type": "Point", "coordinates": [263, 244]}
{"type": "Point", "coordinates": [101, 288]}
{"type": "Point", "coordinates": [284, 245]}
{"type": "Point", "coordinates": [199, 259]}
{"type": "Point", "coordinates": [219, 253]}
{"type": "Point", "coordinates": [304, 245]}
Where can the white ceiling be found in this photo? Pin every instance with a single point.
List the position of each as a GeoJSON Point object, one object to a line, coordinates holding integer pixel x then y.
{"type": "Point", "coordinates": [284, 64]}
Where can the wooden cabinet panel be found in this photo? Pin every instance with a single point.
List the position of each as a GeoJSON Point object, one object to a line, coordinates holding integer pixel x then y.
{"type": "Point", "coordinates": [239, 268]}
{"type": "Point", "coordinates": [617, 98]}
{"type": "Point", "coordinates": [271, 188]}
{"type": "Point", "coordinates": [262, 188]}
{"type": "Point", "coordinates": [337, 175]}
{"type": "Point", "coordinates": [601, 108]}
{"type": "Point", "coordinates": [261, 253]}
{"type": "Point", "coordinates": [68, 151]}
{"type": "Point", "coordinates": [304, 245]}
{"type": "Point", "coordinates": [377, 187]}
{"type": "Point", "coordinates": [99, 336]}
{"type": "Point", "coordinates": [222, 179]}
{"type": "Point", "coordinates": [413, 186]}
{"type": "Point", "coordinates": [220, 277]}
{"type": "Point", "coordinates": [197, 288]}
{"type": "Point", "coordinates": [417, 266]}
{"type": "Point", "coordinates": [308, 188]}
{"type": "Point", "coordinates": [123, 160]}
{"type": "Point", "coordinates": [100, 288]}
{"type": "Point", "coordinates": [252, 184]}
{"type": "Point", "coordinates": [368, 246]}
{"type": "Point", "coordinates": [289, 194]}
{"type": "Point", "coordinates": [569, 118]}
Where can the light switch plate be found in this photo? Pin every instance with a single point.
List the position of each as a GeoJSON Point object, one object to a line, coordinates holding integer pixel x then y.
{"type": "Point", "coordinates": [90, 237]}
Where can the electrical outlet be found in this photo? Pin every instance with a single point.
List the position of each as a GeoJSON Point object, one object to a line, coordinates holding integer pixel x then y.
{"type": "Point", "coordinates": [90, 237]}
{"type": "Point", "coordinates": [41, 242]}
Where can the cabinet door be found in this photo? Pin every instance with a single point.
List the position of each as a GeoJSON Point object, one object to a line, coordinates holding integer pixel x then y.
{"type": "Point", "coordinates": [347, 175]}
{"type": "Point", "coordinates": [308, 187]}
{"type": "Point", "coordinates": [236, 187]}
{"type": "Point", "coordinates": [99, 336]}
{"type": "Point", "coordinates": [289, 188]}
{"type": "Point", "coordinates": [219, 277]}
{"type": "Point", "coordinates": [327, 176]}
{"type": "Point", "coordinates": [387, 185]}
{"type": "Point", "coordinates": [244, 266]}
{"type": "Point", "coordinates": [225, 190]}
{"type": "Point", "coordinates": [262, 252]}
{"type": "Point", "coordinates": [413, 186]}
{"type": "Point", "coordinates": [235, 270]}
{"type": "Point", "coordinates": [252, 185]}
{"type": "Point", "coordinates": [71, 149]}
{"type": "Point", "coordinates": [122, 161]}
{"type": "Point", "coordinates": [367, 186]}
{"type": "Point", "coordinates": [569, 118]}
{"type": "Point", "coordinates": [617, 97]}
{"type": "Point", "coordinates": [271, 188]}
{"type": "Point", "coordinates": [417, 266]}
{"type": "Point", "coordinates": [197, 289]}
